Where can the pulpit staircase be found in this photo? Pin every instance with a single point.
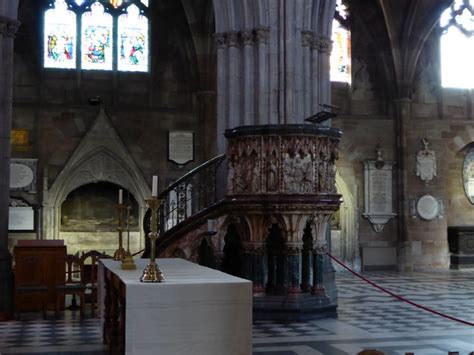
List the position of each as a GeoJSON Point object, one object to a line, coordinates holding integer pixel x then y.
{"type": "Point", "coordinates": [189, 202]}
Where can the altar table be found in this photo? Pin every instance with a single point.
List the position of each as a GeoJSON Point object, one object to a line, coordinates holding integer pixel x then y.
{"type": "Point", "coordinates": [196, 310]}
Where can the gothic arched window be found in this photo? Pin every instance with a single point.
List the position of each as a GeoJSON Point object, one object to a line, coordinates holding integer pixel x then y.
{"type": "Point", "coordinates": [97, 35]}
{"type": "Point", "coordinates": [341, 45]}
{"type": "Point", "coordinates": [457, 45]}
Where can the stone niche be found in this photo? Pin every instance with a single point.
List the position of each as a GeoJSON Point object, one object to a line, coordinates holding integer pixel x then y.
{"type": "Point", "coordinates": [79, 207]}
{"type": "Point", "coordinates": [89, 218]}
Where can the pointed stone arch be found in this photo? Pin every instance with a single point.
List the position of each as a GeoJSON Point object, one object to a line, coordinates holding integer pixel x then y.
{"type": "Point", "coordinates": [101, 156]}
{"type": "Point", "coordinates": [348, 249]}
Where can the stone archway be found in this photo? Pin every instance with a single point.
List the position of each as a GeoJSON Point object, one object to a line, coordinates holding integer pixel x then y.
{"type": "Point", "coordinates": [101, 156]}
{"type": "Point", "coordinates": [345, 239]}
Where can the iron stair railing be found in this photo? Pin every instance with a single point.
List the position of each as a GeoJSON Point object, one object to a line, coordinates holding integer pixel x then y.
{"type": "Point", "coordinates": [193, 192]}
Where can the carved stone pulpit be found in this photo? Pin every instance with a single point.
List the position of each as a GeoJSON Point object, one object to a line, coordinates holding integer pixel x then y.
{"type": "Point", "coordinates": [281, 182]}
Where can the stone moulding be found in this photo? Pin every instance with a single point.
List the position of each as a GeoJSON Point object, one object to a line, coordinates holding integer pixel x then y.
{"type": "Point", "coordinates": [379, 221]}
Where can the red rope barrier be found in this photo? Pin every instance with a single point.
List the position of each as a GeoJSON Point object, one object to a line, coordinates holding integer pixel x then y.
{"type": "Point", "coordinates": [400, 298]}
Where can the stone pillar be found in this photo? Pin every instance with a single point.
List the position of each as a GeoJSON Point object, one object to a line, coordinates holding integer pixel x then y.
{"type": "Point", "coordinates": [207, 105]}
{"type": "Point", "coordinates": [325, 46]}
{"type": "Point", "coordinates": [306, 40]}
{"type": "Point", "coordinates": [315, 74]}
{"type": "Point", "coordinates": [248, 63]}
{"type": "Point", "coordinates": [254, 266]}
{"type": "Point", "coordinates": [402, 121]}
{"type": "Point", "coordinates": [318, 288]}
{"type": "Point", "coordinates": [321, 221]}
{"type": "Point", "coordinates": [8, 28]}
{"type": "Point", "coordinates": [293, 253]}
{"type": "Point", "coordinates": [234, 117]}
{"type": "Point", "coordinates": [306, 267]}
{"type": "Point", "coordinates": [259, 268]}
{"type": "Point", "coordinates": [221, 108]}
{"type": "Point", "coordinates": [261, 39]}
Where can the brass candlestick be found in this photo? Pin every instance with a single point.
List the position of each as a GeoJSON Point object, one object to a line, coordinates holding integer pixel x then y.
{"type": "Point", "coordinates": [120, 252]}
{"type": "Point", "coordinates": [128, 263]}
{"type": "Point", "coordinates": [152, 272]}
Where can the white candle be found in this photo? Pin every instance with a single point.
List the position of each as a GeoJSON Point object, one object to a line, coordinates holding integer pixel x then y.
{"type": "Point", "coordinates": [120, 196]}
{"type": "Point", "coordinates": [154, 186]}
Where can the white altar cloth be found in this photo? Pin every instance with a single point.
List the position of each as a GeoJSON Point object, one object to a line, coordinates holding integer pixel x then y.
{"type": "Point", "coordinates": [195, 311]}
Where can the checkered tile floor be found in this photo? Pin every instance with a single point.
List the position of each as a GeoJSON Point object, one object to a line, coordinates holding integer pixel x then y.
{"type": "Point", "coordinates": [366, 318]}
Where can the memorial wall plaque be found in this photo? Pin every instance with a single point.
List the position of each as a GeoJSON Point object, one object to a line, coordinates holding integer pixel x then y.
{"type": "Point", "coordinates": [23, 175]}
{"type": "Point", "coordinates": [378, 192]}
{"type": "Point", "coordinates": [427, 207]}
{"type": "Point", "coordinates": [21, 219]}
{"type": "Point", "coordinates": [181, 147]}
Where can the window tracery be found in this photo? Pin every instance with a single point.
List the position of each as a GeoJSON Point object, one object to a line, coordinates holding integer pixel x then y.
{"type": "Point", "coordinates": [457, 45]}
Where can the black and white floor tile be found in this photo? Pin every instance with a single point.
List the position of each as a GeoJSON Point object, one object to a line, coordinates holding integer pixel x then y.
{"type": "Point", "coordinates": [367, 318]}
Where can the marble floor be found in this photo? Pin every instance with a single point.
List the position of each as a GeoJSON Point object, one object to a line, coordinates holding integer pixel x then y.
{"type": "Point", "coordinates": [366, 319]}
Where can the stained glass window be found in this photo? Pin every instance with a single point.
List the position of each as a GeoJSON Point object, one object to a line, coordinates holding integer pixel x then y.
{"type": "Point", "coordinates": [341, 46]}
{"type": "Point", "coordinates": [96, 38]}
{"type": "Point", "coordinates": [60, 37]}
{"type": "Point", "coordinates": [89, 25]}
{"type": "Point", "coordinates": [133, 41]}
{"type": "Point", "coordinates": [116, 3]}
{"type": "Point", "coordinates": [457, 45]}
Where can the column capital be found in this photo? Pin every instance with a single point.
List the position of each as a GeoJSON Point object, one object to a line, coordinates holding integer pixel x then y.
{"type": "Point", "coordinates": [322, 43]}
{"type": "Point", "coordinates": [247, 37]}
{"type": "Point", "coordinates": [220, 40]}
{"type": "Point", "coordinates": [307, 38]}
{"type": "Point", "coordinates": [320, 247]}
{"type": "Point", "coordinates": [8, 27]}
{"type": "Point", "coordinates": [254, 248]}
{"type": "Point", "coordinates": [232, 39]}
{"type": "Point", "coordinates": [293, 248]}
{"type": "Point", "coordinates": [262, 35]}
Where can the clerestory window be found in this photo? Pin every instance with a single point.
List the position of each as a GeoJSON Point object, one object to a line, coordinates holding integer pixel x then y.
{"type": "Point", "coordinates": [97, 35]}
{"type": "Point", "coordinates": [457, 45]}
{"type": "Point", "coordinates": [341, 45]}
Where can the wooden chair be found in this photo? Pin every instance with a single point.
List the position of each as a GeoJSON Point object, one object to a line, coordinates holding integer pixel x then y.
{"type": "Point", "coordinates": [370, 352]}
{"type": "Point", "coordinates": [90, 274]}
{"type": "Point", "coordinates": [74, 283]}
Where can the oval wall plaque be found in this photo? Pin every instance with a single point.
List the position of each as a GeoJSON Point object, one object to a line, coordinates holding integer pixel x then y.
{"type": "Point", "coordinates": [468, 174]}
{"type": "Point", "coordinates": [427, 207]}
{"type": "Point", "coordinates": [20, 176]}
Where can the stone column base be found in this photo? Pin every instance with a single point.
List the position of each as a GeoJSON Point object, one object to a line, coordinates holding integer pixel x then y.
{"type": "Point", "coordinates": [293, 307]}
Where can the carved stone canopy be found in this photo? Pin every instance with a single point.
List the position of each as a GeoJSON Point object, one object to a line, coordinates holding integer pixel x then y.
{"type": "Point", "coordinates": [101, 156]}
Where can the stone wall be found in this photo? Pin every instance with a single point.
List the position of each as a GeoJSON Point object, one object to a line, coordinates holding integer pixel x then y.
{"type": "Point", "coordinates": [53, 105]}
{"type": "Point", "coordinates": [441, 115]}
